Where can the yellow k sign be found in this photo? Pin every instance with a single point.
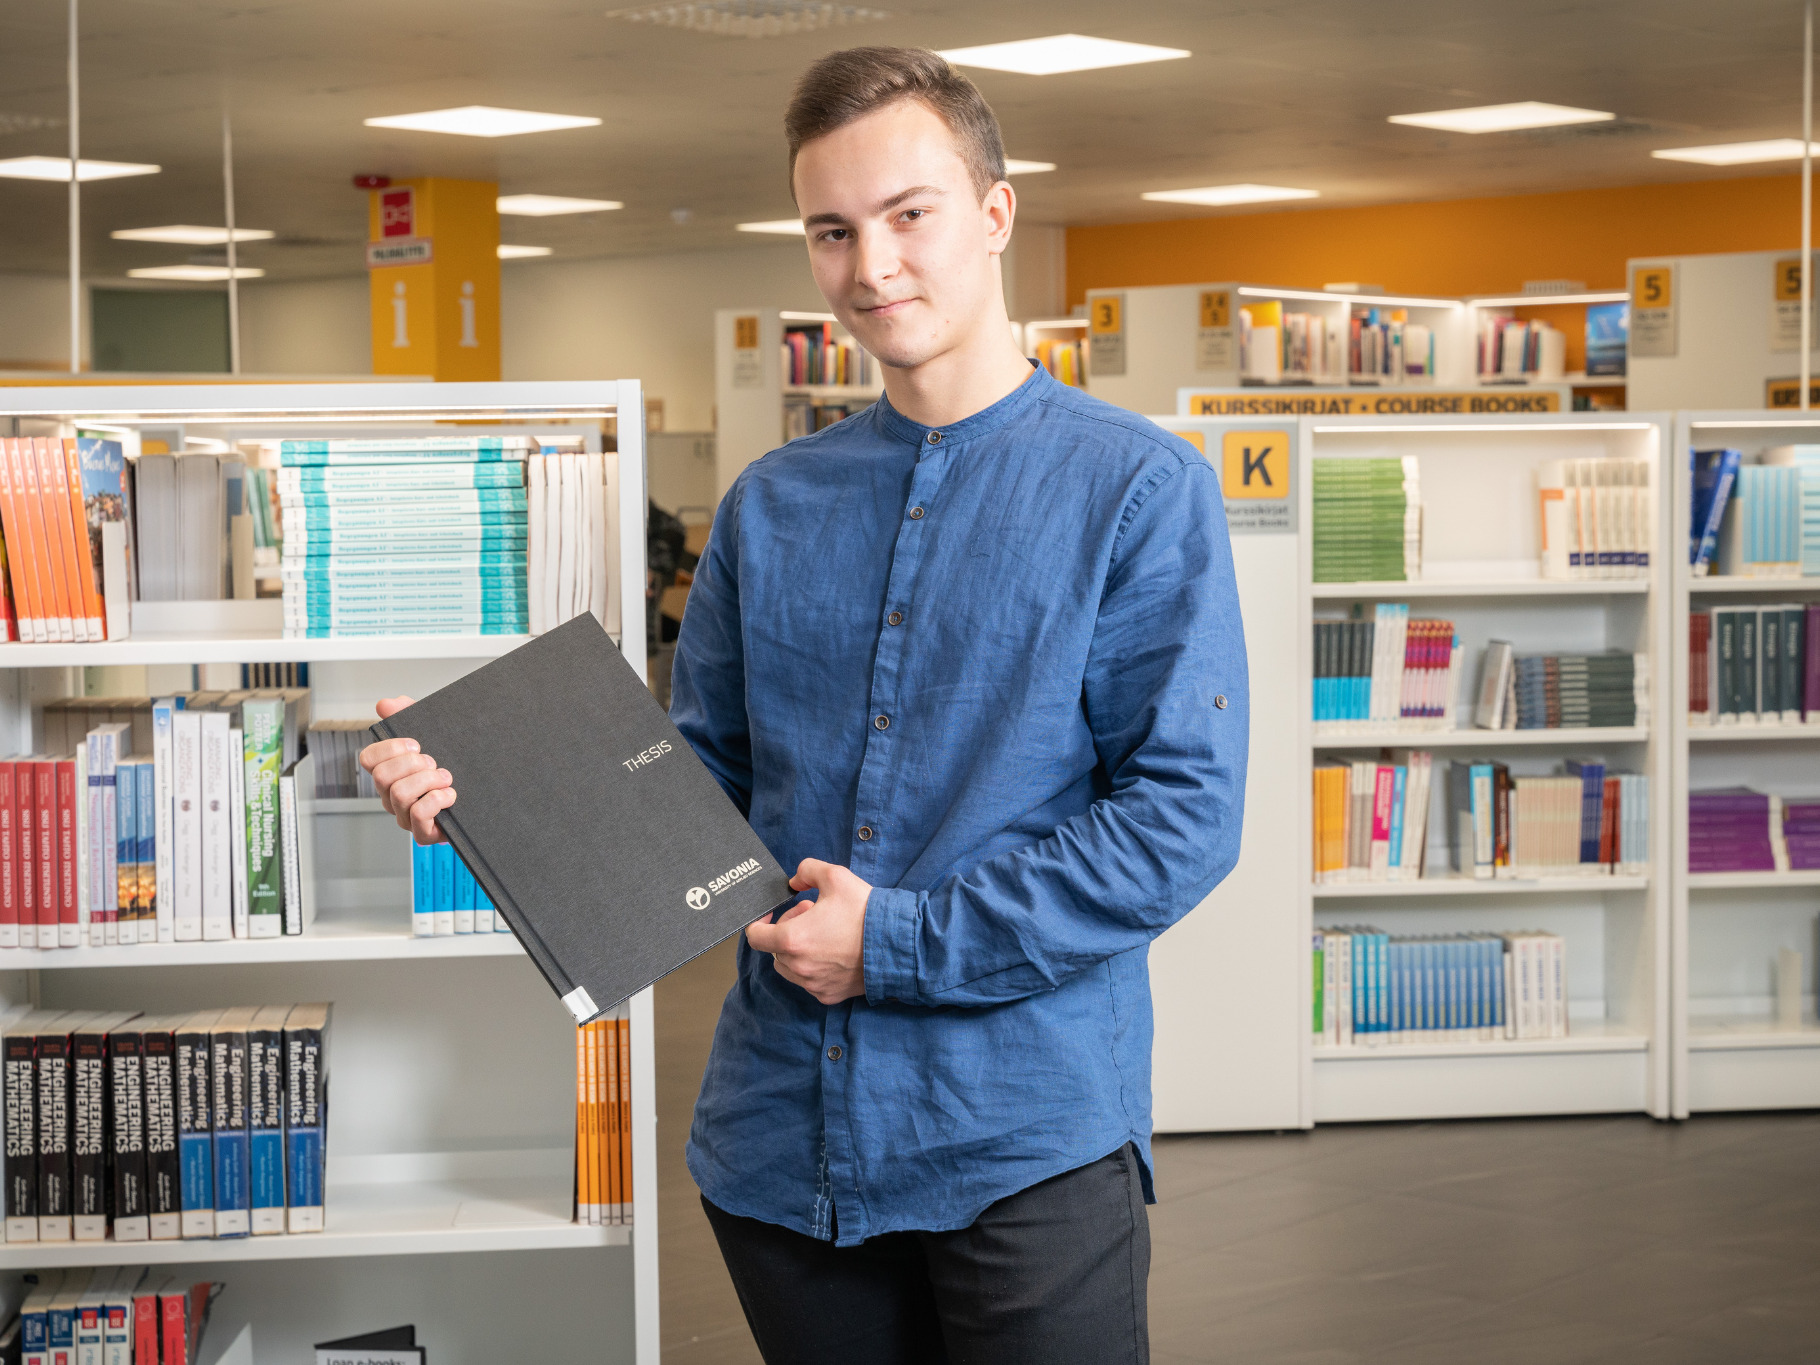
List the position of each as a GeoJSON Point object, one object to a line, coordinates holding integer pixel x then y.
{"type": "Point", "coordinates": [1255, 464]}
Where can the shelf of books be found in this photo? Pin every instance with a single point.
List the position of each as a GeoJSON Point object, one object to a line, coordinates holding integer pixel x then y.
{"type": "Point", "coordinates": [1746, 849]}
{"type": "Point", "coordinates": [184, 794]}
{"type": "Point", "coordinates": [1486, 888]}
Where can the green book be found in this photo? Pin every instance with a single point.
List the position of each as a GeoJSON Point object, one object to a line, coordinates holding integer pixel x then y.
{"type": "Point", "coordinates": [262, 724]}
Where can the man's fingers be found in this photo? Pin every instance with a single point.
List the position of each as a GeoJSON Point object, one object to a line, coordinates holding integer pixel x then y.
{"type": "Point", "coordinates": [800, 908]}
{"type": "Point", "coordinates": [425, 811]}
{"type": "Point", "coordinates": [375, 754]}
{"type": "Point", "coordinates": [763, 935]}
{"type": "Point", "coordinates": [407, 791]}
{"type": "Point", "coordinates": [391, 706]}
{"type": "Point", "coordinates": [813, 873]}
{"type": "Point", "coordinates": [397, 768]}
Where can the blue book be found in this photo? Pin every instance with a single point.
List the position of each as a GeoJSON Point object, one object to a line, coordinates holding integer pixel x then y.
{"type": "Point", "coordinates": [35, 1317]}
{"type": "Point", "coordinates": [123, 896]}
{"type": "Point", "coordinates": [1713, 473]}
{"type": "Point", "coordinates": [228, 1112]}
{"type": "Point", "coordinates": [1398, 787]}
{"type": "Point", "coordinates": [265, 1118]}
{"type": "Point", "coordinates": [60, 1317]}
{"type": "Point", "coordinates": [195, 1129]}
{"type": "Point", "coordinates": [145, 835]}
{"type": "Point", "coordinates": [306, 1079]}
{"type": "Point", "coordinates": [423, 890]}
{"type": "Point", "coordinates": [445, 888]}
{"type": "Point", "coordinates": [1592, 805]}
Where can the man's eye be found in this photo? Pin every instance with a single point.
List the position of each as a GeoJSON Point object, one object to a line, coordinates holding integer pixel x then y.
{"type": "Point", "coordinates": [910, 215]}
{"type": "Point", "coordinates": [835, 235]}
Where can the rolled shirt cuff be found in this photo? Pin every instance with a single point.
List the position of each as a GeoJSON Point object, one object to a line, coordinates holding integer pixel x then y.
{"type": "Point", "coordinates": [890, 944]}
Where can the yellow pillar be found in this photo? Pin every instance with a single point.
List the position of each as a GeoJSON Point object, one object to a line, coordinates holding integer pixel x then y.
{"type": "Point", "coordinates": [433, 277]}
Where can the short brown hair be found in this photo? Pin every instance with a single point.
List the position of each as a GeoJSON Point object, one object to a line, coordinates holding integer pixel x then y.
{"type": "Point", "coordinates": [844, 86]}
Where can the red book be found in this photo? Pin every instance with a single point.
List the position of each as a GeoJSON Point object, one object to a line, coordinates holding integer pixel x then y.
{"type": "Point", "coordinates": [1608, 822]}
{"type": "Point", "coordinates": [171, 1304]}
{"type": "Point", "coordinates": [9, 859]}
{"type": "Point", "coordinates": [68, 905]}
{"type": "Point", "coordinates": [25, 807]}
{"type": "Point", "coordinates": [44, 854]}
{"type": "Point", "coordinates": [1699, 631]}
{"type": "Point", "coordinates": [145, 1327]}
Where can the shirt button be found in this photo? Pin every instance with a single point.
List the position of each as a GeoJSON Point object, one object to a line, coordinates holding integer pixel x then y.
{"type": "Point", "coordinates": [916, 514]}
{"type": "Point", "coordinates": [896, 618]}
{"type": "Point", "coordinates": [1220, 701]}
{"type": "Point", "coordinates": [865, 833]}
{"type": "Point", "coordinates": [834, 1054]}
{"type": "Point", "coordinates": [883, 722]}
{"type": "Point", "coordinates": [935, 438]}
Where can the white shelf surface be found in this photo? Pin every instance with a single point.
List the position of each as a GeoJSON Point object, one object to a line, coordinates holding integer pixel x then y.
{"type": "Point", "coordinates": [1476, 886]}
{"type": "Point", "coordinates": [832, 391]}
{"type": "Point", "coordinates": [1743, 734]}
{"type": "Point", "coordinates": [1584, 1038]}
{"type": "Point", "coordinates": [1510, 587]}
{"type": "Point", "coordinates": [1486, 739]}
{"type": "Point", "coordinates": [1753, 1032]}
{"type": "Point", "coordinates": [348, 805]}
{"type": "Point", "coordinates": [338, 943]}
{"type": "Point", "coordinates": [406, 1218]}
{"type": "Point", "coordinates": [1749, 881]}
{"type": "Point", "coordinates": [193, 649]}
{"type": "Point", "coordinates": [1724, 583]}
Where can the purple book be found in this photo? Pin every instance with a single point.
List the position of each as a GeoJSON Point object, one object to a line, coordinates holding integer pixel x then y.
{"type": "Point", "coordinates": [1811, 627]}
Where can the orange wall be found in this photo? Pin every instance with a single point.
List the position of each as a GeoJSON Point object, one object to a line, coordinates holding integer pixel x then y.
{"type": "Point", "coordinates": [1459, 246]}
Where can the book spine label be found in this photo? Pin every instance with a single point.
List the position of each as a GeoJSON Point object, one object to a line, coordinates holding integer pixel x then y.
{"type": "Point", "coordinates": [216, 801]}
{"type": "Point", "coordinates": [303, 1137]}
{"type": "Point", "coordinates": [9, 856]}
{"type": "Point", "coordinates": [228, 1105]}
{"type": "Point", "coordinates": [69, 900]}
{"type": "Point", "coordinates": [53, 1137]}
{"type": "Point", "coordinates": [151, 925]}
{"type": "Point", "coordinates": [262, 720]}
{"type": "Point", "coordinates": [163, 885]}
{"type": "Point", "coordinates": [186, 825]}
{"type": "Point", "coordinates": [236, 756]}
{"type": "Point", "coordinates": [265, 1129]}
{"type": "Point", "coordinates": [21, 1063]}
{"type": "Point", "coordinates": [194, 1145]}
{"type": "Point", "coordinates": [88, 1141]}
{"type": "Point", "coordinates": [163, 1157]}
{"type": "Point", "coordinates": [127, 1102]}
{"type": "Point", "coordinates": [44, 777]}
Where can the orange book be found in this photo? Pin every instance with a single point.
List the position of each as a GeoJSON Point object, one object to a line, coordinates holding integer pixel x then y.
{"type": "Point", "coordinates": [597, 1196]}
{"type": "Point", "coordinates": [624, 1029]}
{"type": "Point", "coordinates": [25, 590]}
{"type": "Point", "coordinates": [88, 544]}
{"type": "Point", "coordinates": [581, 1125]}
{"type": "Point", "coordinates": [57, 625]}
{"type": "Point", "coordinates": [9, 615]}
{"type": "Point", "coordinates": [53, 493]}
{"type": "Point", "coordinates": [603, 1152]}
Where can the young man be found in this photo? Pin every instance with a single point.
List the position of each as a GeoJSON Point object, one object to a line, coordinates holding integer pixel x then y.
{"type": "Point", "coordinates": [972, 661]}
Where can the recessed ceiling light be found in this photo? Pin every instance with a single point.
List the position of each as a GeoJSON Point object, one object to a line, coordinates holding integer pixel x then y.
{"type": "Point", "coordinates": [1015, 167]}
{"type": "Point", "coordinates": [58, 168]}
{"type": "Point", "coordinates": [480, 120]}
{"type": "Point", "coordinates": [195, 272]}
{"type": "Point", "coordinates": [782, 227]}
{"type": "Point", "coordinates": [1217, 196]}
{"type": "Point", "coordinates": [547, 205]}
{"type": "Point", "coordinates": [186, 235]}
{"type": "Point", "coordinates": [1502, 118]}
{"type": "Point", "coordinates": [1060, 52]}
{"type": "Point", "coordinates": [513, 253]}
{"type": "Point", "coordinates": [1738, 153]}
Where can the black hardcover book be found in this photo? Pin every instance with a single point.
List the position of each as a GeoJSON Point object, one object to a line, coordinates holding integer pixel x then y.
{"type": "Point", "coordinates": [88, 1126]}
{"type": "Point", "coordinates": [163, 1161]}
{"type": "Point", "coordinates": [21, 1064]}
{"type": "Point", "coordinates": [54, 1105]}
{"type": "Point", "coordinates": [610, 849]}
{"type": "Point", "coordinates": [126, 1129]}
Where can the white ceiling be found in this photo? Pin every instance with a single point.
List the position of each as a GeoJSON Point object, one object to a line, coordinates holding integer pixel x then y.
{"type": "Point", "coordinates": [1286, 93]}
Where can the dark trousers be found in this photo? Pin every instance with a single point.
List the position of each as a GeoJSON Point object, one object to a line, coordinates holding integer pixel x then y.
{"type": "Point", "coordinates": [1052, 1275]}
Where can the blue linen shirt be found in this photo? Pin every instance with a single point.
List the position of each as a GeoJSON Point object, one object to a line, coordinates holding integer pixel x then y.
{"type": "Point", "coordinates": [997, 669]}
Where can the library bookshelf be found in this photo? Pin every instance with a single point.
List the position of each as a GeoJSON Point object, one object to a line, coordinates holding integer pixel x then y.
{"type": "Point", "coordinates": [452, 1064]}
{"type": "Point", "coordinates": [1730, 1051]}
{"type": "Point", "coordinates": [1479, 568]}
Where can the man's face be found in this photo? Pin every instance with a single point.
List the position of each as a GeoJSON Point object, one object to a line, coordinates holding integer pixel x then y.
{"type": "Point", "coordinates": [902, 248]}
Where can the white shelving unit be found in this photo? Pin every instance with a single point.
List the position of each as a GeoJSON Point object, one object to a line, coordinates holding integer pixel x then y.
{"type": "Point", "coordinates": [451, 1063]}
{"type": "Point", "coordinates": [1480, 570]}
{"type": "Point", "coordinates": [1729, 1052]}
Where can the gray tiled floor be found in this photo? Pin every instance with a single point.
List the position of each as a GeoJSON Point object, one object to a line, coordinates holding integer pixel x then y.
{"type": "Point", "coordinates": [1523, 1242]}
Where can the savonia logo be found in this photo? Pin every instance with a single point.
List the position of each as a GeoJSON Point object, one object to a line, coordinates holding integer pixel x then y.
{"type": "Point", "coordinates": [697, 897]}
{"type": "Point", "coordinates": [733, 876]}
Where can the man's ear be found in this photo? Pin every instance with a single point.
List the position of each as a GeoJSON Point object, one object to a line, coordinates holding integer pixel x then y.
{"type": "Point", "coordinates": [1000, 207]}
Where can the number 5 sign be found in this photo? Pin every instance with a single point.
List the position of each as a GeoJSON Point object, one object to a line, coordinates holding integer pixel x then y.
{"type": "Point", "coordinates": [1652, 309]}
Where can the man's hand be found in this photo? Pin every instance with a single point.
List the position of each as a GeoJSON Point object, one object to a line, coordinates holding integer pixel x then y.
{"type": "Point", "coordinates": [411, 787]}
{"type": "Point", "coordinates": [820, 944]}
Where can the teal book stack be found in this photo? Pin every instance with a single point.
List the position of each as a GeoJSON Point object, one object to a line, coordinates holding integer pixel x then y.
{"type": "Point", "coordinates": [1367, 520]}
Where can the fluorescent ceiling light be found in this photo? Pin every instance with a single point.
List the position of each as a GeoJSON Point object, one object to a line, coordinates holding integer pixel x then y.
{"type": "Point", "coordinates": [58, 168]}
{"type": "Point", "coordinates": [1359, 300]}
{"type": "Point", "coordinates": [1502, 118]}
{"type": "Point", "coordinates": [195, 272]}
{"type": "Point", "coordinates": [186, 235]}
{"type": "Point", "coordinates": [1015, 167]}
{"type": "Point", "coordinates": [545, 205]}
{"type": "Point", "coordinates": [513, 253]}
{"type": "Point", "coordinates": [1737, 153]}
{"type": "Point", "coordinates": [1218, 195]}
{"type": "Point", "coordinates": [480, 120]}
{"type": "Point", "coordinates": [1061, 52]}
{"type": "Point", "coordinates": [782, 227]}
{"type": "Point", "coordinates": [1539, 300]}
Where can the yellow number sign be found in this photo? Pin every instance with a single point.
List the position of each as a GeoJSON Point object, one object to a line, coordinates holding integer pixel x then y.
{"type": "Point", "coordinates": [1788, 283]}
{"type": "Point", "coordinates": [1106, 318]}
{"type": "Point", "coordinates": [745, 334]}
{"type": "Point", "coordinates": [1651, 286]}
{"type": "Point", "coordinates": [1216, 308]}
{"type": "Point", "coordinates": [1255, 464]}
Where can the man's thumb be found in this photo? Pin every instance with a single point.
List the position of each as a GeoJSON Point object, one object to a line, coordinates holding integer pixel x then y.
{"type": "Point", "coordinates": [391, 706]}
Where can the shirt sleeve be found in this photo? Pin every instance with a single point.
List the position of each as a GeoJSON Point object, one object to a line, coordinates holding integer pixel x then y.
{"type": "Point", "coordinates": [1165, 694]}
{"type": "Point", "coordinates": [708, 680]}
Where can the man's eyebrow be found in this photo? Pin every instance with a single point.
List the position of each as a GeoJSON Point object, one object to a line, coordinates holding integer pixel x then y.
{"type": "Point", "coordinates": [884, 206]}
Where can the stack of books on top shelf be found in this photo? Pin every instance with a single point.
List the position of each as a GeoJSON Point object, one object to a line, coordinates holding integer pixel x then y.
{"type": "Point", "coordinates": [158, 820]}
{"type": "Point", "coordinates": [445, 897]}
{"type": "Point", "coordinates": [133, 1128]}
{"type": "Point", "coordinates": [1585, 822]}
{"type": "Point", "coordinates": [1597, 519]}
{"type": "Point", "coordinates": [1387, 348]}
{"type": "Point", "coordinates": [814, 355]}
{"type": "Point", "coordinates": [1387, 673]}
{"type": "Point", "coordinates": [109, 1316]}
{"type": "Point", "coordinates": [1756, 519]}
{"type": "Point", "coordinates": [1560, 691]}
{"type": "Point", "coordinates": [603, 1121]}
{"type": "Point", "coordinates": [420, 535]}
{"type": "Point", "coordinates": [804, 416]}
{"type": "Point", "coordinates": [1512, 350]}
{"type": "Point", "coordinates": [1367, 520]}
{"type": "Point", "coordinates": [1277, 347]}
{"type": "Point", "coordinates": [1373, 989]}
{"type": "Point", "coordinates": [58, 496]}
{"type": "Point", "coordinates": [571, 566]}
{"type": "Point", "coordinates": [1735, 829]}
{"type": "Point", "coordinates": [1755, 665]}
